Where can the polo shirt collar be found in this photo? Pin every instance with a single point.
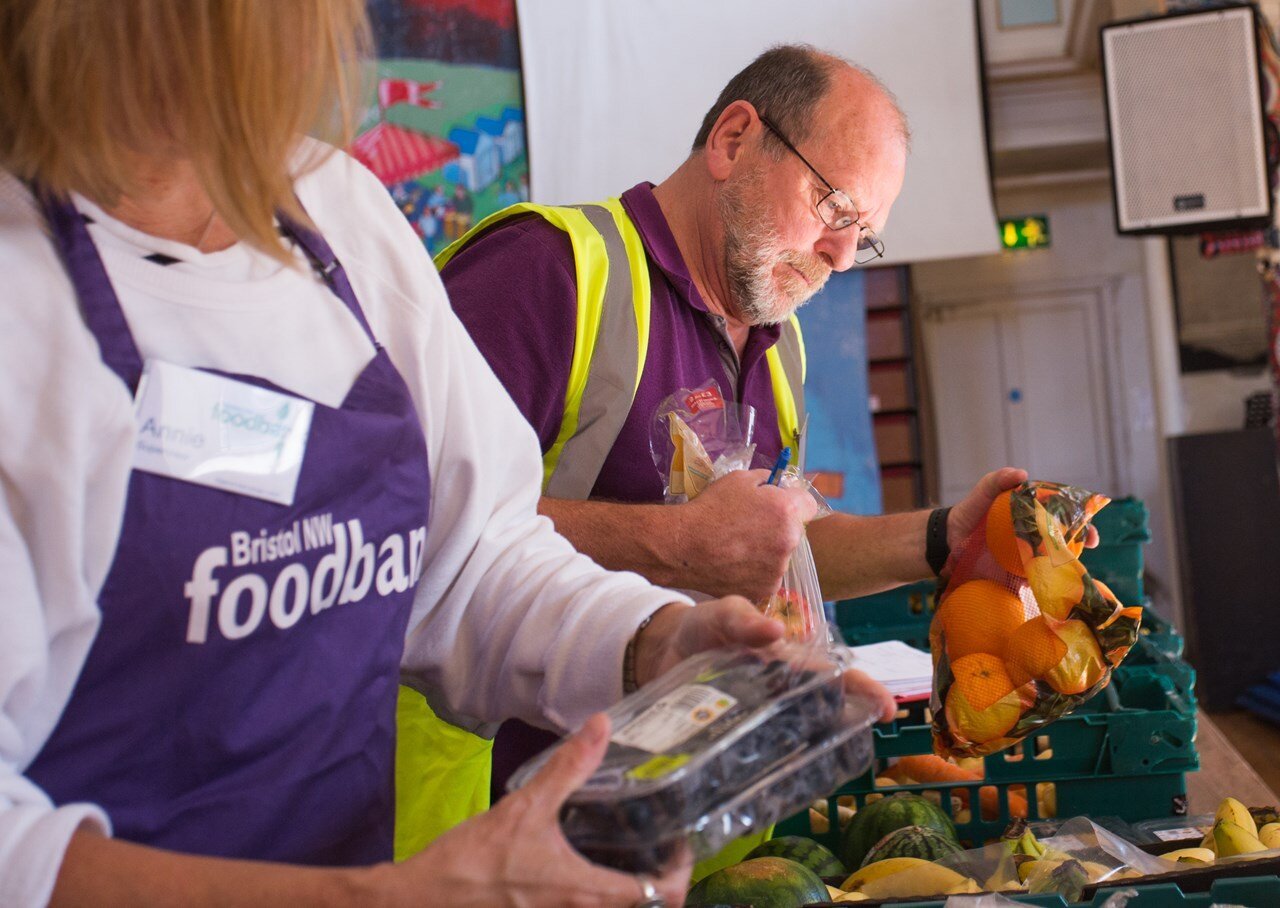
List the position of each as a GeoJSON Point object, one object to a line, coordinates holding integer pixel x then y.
{"type": "Point", "coordinates": [660, 244]}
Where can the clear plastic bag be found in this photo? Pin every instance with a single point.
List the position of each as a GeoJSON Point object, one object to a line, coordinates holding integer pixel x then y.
{"type": "Point", "coordinates": [697, 437]}
{"type": "Point", "coordinates": [727, 742]}
{"type": "Point", "coordinates": [1023, 634]}
{"type": "Point", "coordinates": [1079, 855]}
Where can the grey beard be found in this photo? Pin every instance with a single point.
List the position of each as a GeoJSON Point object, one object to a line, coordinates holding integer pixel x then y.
{"type": "Point", "coordinates": [750, 256]}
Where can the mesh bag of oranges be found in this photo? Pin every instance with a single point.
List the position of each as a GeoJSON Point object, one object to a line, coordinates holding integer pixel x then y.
{"type": "Point", "coordinates": [1022, 634]}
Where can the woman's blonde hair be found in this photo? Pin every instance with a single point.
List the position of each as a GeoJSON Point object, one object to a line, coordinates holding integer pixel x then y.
{"type": "Point", "coordinates": [231, 85]}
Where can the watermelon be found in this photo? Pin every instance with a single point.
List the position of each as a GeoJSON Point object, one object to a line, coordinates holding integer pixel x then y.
{"type": "Point", "coordinates": [761, 883]}
{"type": "Point", "coordinates": [913, 842]}
{"type": "Point", "coordinates": [811, 854]}
{"type": "Point", "coordinates": [876, 820]}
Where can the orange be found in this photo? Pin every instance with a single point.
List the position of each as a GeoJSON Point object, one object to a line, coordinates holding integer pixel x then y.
{"type": "Point", "coordinates": [983, 703]}
{"type": "Point", "coordinates": [1033, 650]}
{"type": "Point", "coordinates": [978, 617]}
{"type": "Point", "coordinates": [1058, 588]}
{"type": "Point", "coordinates": [1002, 542]}
{"type": "Point", "coordinates": [1083, 666]}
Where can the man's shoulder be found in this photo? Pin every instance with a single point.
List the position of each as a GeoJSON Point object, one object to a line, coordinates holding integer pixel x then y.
{"type": "Point", "coordinates": [521, 242]}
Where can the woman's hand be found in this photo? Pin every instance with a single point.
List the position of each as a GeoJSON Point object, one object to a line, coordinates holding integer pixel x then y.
{"type": "Point", "coordinates": [679, 631]}
{"type": "Point", "coordinates": [517, 855]}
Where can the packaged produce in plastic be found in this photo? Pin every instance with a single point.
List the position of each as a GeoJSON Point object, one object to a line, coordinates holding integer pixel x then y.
{"type": "Point", "coordinates": [696, 438]}
{"type": "Point", "coordinates": [1023, 634]}
{"type": "Point", "coordinates": [727, 742]}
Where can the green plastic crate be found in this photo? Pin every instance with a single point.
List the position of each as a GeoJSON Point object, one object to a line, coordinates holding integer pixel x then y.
{"type": "Point", "coordinates": [1249, 892]}
{"type": "Point", "coordinates": [903, 613]}
{"type": "Point", "coordinates": [1123, 521]}
{"type": "Point", "coordinates": [1160, 634]}
{"type": "Point", "coordinates": [1120, 568]}
{"type": "Point", "coordinates": [1124, 753]}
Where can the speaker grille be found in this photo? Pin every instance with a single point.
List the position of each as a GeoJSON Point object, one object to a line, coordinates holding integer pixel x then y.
{"type": "Point", "coordinates": [1186, 120]}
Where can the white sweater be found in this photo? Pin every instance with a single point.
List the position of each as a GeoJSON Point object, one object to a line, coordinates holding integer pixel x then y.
{"type": "Point", "coordinates": [508, 620]}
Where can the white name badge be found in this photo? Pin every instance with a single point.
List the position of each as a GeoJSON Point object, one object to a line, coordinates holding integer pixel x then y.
{"type": "Point", "coordinates": [219, 432]}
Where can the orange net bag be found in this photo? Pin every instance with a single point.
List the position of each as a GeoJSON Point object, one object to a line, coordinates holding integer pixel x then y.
{"type": "Point", "coordinates": [1022, 634]}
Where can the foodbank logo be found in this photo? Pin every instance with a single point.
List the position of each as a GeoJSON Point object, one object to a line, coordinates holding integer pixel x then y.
{"type": "Point", "coordinates": [273, 425]}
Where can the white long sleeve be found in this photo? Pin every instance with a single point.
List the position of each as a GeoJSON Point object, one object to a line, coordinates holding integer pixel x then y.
{"type": "Point", "coordinates": [508, 620]}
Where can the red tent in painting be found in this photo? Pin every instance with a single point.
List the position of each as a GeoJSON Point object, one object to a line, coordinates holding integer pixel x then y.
{"type": "Point", "coordinates": [396, 154]}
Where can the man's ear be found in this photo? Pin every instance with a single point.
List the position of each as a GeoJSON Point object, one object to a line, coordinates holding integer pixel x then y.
{"type": "Point", "coordinates": [734, 131]}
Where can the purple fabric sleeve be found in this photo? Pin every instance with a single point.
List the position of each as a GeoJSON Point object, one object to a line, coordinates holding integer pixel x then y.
{"type": "Point", "coordinates": [515, 290]}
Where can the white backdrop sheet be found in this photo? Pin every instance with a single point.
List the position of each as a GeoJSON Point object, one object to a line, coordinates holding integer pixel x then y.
{"type": "Point", "coordinates": [616, 89]}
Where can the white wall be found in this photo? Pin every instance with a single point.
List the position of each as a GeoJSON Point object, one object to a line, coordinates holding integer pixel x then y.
{"type": "Point", "coordinates": [615, 90]}
{"type": "Point", "coordinates": [1214, 401]}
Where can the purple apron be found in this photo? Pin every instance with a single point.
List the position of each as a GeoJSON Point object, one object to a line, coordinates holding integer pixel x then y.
{"type": "Point", "coordinates": [274, 738]}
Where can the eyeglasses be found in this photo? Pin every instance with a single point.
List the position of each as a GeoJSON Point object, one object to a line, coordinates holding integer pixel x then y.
{"type": "Point", "coordinates": [836, 208]}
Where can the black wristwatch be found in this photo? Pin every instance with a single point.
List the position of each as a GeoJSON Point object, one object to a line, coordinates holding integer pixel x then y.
{"type": "Point", "coordinates": [936, 548]}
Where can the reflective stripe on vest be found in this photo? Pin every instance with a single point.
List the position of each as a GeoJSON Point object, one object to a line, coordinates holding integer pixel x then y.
{"type": "Point", "coordinates": [613, 314]}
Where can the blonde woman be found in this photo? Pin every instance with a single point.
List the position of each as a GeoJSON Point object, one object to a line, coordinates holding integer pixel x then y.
{"type": "Point", "coordinates": [251, 470]}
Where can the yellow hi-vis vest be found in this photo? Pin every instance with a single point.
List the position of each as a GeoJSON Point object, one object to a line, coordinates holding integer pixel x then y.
{"type": "Point", "coordinates": [612, 340]}
{"type": "Point", "coordinates": [443, 772]}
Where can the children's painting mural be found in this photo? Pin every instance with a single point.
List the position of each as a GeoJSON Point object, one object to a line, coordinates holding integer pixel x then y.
{"type": "Point", "coordinates": [444, 131]}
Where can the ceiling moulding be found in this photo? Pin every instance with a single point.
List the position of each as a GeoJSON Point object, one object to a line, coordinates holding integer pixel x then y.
{"type": "Point", "coordinates": [1047, 112]}
{"type": "Point", "coordinates": [1053, 178]}
{"type": "Point", "coordinates": [1056, 166]}
{"type": "Point", "coordinates": [1077, 43]}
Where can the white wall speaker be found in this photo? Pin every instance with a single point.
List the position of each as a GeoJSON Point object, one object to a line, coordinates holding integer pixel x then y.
{"type": "Point", "coordinates": [1185, 121]}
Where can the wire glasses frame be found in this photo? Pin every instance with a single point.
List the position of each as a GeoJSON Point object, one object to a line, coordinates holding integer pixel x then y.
{"type": "Point", "coordinates": [836, 208]}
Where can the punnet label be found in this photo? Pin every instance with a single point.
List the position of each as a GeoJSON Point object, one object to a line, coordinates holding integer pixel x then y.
{"type": "Point", "coordinates": [675, 718]}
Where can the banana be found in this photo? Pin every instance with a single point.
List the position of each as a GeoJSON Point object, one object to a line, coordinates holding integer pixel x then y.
{"type": "Point", "coordinates": [832, 892]}
{"type": "Point", "coordinates": [1269, 835]}
{"type": "Point", "coordinates": [1029, 844]}
{"type": "Point", "coordinates": [1098, 872]}
{"type": "Point", "coordinates": [1233, 811]}
{"type": "Point", "coordinates": [873, 871]}
{"type": "Point", "coordinates": [1208, 843]}
{"type": "Point", "coordinates": [1231, 839]}
{"type": "Point", "coordinates": [1027, 868]}
{"type": "Point", "coordinates": [1191, 856]}
{"type": "Point", "coordinates": [902, 878]}
{"type": "Point", "coordinates": [850, 897]}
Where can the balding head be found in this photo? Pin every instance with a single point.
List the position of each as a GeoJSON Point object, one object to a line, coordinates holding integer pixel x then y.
{"type": "Point", "coordinates": [797, 133]}
{"type": "Point", "coordinates": [787, 84]}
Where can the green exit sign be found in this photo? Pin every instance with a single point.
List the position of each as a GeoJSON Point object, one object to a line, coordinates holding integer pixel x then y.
{"type": "Point", "coordinates": [1030, 232]}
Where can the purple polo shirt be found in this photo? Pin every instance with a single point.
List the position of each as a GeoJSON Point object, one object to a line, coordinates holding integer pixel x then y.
{"type": "Point", "coordinates": [514, 289]}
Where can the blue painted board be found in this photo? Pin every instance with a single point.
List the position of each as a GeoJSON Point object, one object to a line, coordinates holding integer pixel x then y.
{"type": "Point", "coordinates": [836, 395]}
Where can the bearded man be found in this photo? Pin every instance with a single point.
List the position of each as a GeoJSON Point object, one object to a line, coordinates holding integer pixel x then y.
{"type": "Point", "coordinates": [592, 315]}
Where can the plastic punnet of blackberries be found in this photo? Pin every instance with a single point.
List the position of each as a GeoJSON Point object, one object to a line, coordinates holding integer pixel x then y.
{"type": "Point", "coordinates": [727, 742]}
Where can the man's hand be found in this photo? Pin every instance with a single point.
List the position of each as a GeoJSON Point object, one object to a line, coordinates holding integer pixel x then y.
{"type": "Point", "coordinates": [738, 534]}
{"type": "Point", "coordinates": [972, 510]}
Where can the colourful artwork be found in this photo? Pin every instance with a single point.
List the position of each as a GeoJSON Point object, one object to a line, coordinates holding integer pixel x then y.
{"type": "Point", "coordinates": [444, 129]}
